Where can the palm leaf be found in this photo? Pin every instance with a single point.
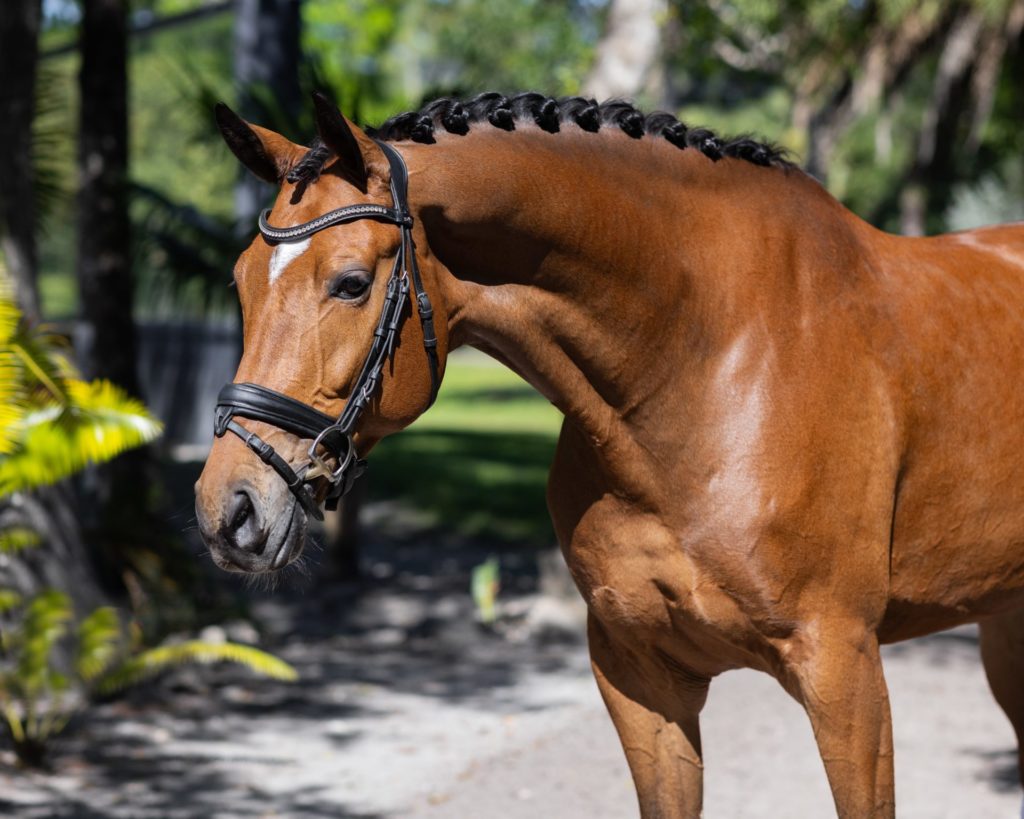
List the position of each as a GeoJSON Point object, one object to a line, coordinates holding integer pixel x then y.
{"type": "Point", "coordinates": [185, 253]}
{"type": "Point", "coordinates": [9, 314]}
{"type": "Point", "coordinates": [484, 586]}
{"type": "Point", "coordinates": [45, 622]}
{"type": "Point", "coordinates": [10, 406]}
{"type": "Point", "coordinates": [99, 422]}
{"type": "Point", "coordinates": [152, 662]}
{"type": "Point", "coordinates": [9, 599]}
{"type": "Point", "coordinates": [17, 538]}
{"type": "Point", "coordinates": [43, 363]}
{"type": "Point", "coordinates": [99, 636]}
{"type": "Point", "coordinates": [52, 140]}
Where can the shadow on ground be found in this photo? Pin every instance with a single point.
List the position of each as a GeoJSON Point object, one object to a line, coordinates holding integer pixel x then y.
{"type": "Point", "coordinates": [189, 745]}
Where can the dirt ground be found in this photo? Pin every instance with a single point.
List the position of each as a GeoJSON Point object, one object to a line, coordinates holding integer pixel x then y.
{"type": "Point", "coordinates": [407, 708]}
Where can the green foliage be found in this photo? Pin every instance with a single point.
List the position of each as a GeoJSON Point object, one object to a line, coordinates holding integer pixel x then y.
{"type": "Point", "coordinates": [10, 408]}
{"type": "Point", "coordinates": [17, 538]}
{"type": "Point", "coordinates": [495, 437]}
{"type": "Point", "coordinates": [99, 636]}
{"type": "Point", "coordinates": [485, 584]}
{"type": "Point", "coordinates": [511, 46]}
{"type": "Point", "coordinates": [33, 687]}
{"type": "Point", "coordinates": [9, 599]}
{"type": "Point", "coordinates": [51, 149]}
{"type": "Point", "coordinates": [175, 146]}
{"type": "Point", "coordinates": [94, 423]}
{"type": "Point", "coordinates": [44, 623]}
{"type": "Point", "coordinates": [149, 663]}
{"type": "Point", "coordinates": [862, 83]}
{"type": "Point", "coordinates": [53, 424]}
{"type": "Point", "coordinates": [352, 44]}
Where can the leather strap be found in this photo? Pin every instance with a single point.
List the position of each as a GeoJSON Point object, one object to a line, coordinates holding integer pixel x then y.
{"type": "Point", "coordinates": [340, 216]}
{"type": "Point", "coordinates": [263, 404]}
{"type": "Point", "coordinates": [266, 453]}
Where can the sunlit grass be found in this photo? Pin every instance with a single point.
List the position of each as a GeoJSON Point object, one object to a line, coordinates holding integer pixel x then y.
{"type": "Point", "coordinates": [477, 462]}
{"type": "Point", "coordinates": [481, 395]}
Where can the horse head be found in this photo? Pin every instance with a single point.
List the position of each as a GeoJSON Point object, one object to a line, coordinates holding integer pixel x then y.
{"type": "Point", "coordinates": [330, 363]}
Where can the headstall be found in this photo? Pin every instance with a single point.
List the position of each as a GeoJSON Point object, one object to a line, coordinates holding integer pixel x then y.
{"type": "Point", "coordinates": [332, 438]}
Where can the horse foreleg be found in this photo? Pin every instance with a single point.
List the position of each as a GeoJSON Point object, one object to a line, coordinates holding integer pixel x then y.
{"type": "Point", "coordinates": [839, 680]}
{"type": "Point", "coordinates": [657, 722]}
{"type": "Point", "coordinates": [1002, 652]}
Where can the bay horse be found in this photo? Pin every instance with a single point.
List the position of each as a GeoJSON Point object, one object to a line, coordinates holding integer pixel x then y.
{"type": "Point", "coordinates": [788, 437]}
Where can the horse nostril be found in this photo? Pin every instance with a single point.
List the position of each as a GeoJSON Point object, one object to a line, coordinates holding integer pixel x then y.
{"type": "Point", "coordinates": [242, 529]}
{"type": "Point", "coordinates": [241, 512]}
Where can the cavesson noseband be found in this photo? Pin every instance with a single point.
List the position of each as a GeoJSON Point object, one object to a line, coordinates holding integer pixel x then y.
{"type": "Point", "coordinates": [332, 438]}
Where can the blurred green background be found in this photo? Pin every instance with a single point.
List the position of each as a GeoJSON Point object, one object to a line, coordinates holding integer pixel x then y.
{"type": "Point", "coordinates": [855, 89]}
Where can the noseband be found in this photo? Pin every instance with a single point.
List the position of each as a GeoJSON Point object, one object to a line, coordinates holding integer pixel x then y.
{"type": "Point", "coordinates": [332, 438]}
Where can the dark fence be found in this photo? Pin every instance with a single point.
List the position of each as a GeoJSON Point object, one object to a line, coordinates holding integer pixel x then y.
{"type": "Point", "coordinates": [182, 366]}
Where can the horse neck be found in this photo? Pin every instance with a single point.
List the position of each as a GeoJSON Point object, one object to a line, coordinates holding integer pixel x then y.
{"type": "Point", "coordinates": [604, 269]}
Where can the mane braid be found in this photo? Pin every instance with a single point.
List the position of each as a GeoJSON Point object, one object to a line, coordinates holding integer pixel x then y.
{"type": "Point", "coordinates": [457, 117]}
{"type": "Point", "coordinates": [499, 111]}
{"type": "Point", "coordinates": [308, 168]}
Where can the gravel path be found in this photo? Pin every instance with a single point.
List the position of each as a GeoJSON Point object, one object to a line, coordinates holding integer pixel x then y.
{"type": "Point", "coordinates": [407, 709]}
{"type": "Point", "coordinates": [955, 752]}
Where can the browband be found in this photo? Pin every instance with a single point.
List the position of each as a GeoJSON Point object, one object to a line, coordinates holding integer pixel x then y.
{"type": "Point", "coordinates": [332, 438]}
{"type": "Point", "coordinates": [339, 216]}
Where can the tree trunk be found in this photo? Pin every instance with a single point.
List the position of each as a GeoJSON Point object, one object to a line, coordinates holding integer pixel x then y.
{"type": "Point", "coordinates": [19, 50]}
{"type": "Point", "coordinates": [267, 57]}
{"type": "Point", "coordinates": [931, 178]}
{"type": "Point", "coordinates": [105, 283]}
{"type": "Point", "coordinates": [884, 64]}
{"type": "Point", "coordinates": [123, 491]}
{"type": "Point", "coordinates": [629, 55]}
{"type": "Point", "coordinates": [344, 533]}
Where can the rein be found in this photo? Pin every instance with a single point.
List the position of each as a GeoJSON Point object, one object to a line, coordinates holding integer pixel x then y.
{"type": "Point", "coordinates": [332, 438]}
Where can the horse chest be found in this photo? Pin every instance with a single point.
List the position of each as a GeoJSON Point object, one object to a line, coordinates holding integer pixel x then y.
{"type": "Point", "coordinates": [638, 581]}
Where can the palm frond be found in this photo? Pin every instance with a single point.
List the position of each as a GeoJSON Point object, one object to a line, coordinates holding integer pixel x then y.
{"type": "Point", "coordinates": [52, 140]}
{"type": "Point", "coordinates": [9, 313]}
{"type": "Point", "coordinates": [9, 599]}
{"type": "Point", "coordinates": [44, 364]}
{"type": "Point", "coordinates": [10, 409]}
{"type": "Point", "coordinates": [17, 538]}
{"type": "Point", "coordinates": [185, 253]}
{"type": "Point", "coordinates": [484, 586]}
{"type": "Point", "coordinates": [99, 638]}
{"type": "Point", "coordinates": [155, 660]}
{"type": "Point", "coordinates": [99, 422]}
{"type": "Point", "coordinates": [46, 618]}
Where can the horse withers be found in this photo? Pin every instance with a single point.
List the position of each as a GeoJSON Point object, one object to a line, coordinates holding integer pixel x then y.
{"type": "Point", "coordinates": [788, 437]}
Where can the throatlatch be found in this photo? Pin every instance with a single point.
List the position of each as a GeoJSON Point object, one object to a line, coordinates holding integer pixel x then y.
{"type": "Point", "coordinates": [332, 438]}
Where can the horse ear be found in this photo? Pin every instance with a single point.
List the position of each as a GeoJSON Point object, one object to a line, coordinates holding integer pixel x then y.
{"type": "Point", "coordinates": [346, 140]}
{"type": "Point", "coordinates": [267, 154]}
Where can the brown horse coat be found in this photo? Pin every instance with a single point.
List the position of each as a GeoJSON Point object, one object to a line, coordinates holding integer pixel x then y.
{"type": "Point", "coordinates": [788, 436]}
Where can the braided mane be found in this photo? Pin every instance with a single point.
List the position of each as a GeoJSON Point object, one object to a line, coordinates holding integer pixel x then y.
{"type": "Point", "coordinates": [499, 111]}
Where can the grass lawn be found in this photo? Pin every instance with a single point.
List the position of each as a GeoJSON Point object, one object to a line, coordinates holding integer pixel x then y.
{"type": "Point", "coordinates": [477, 462]}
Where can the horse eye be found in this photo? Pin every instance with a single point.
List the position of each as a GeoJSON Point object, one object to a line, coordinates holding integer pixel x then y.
{"type": "Point", "coordinates": [350, 286]}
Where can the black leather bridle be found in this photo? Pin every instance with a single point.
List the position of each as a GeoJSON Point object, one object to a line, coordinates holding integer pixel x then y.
{"type": "Point", "coordinates": [332, 438]}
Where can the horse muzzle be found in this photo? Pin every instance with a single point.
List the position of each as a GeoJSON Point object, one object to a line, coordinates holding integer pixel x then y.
{"type": "Point", "coordinates": [251, 534]}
